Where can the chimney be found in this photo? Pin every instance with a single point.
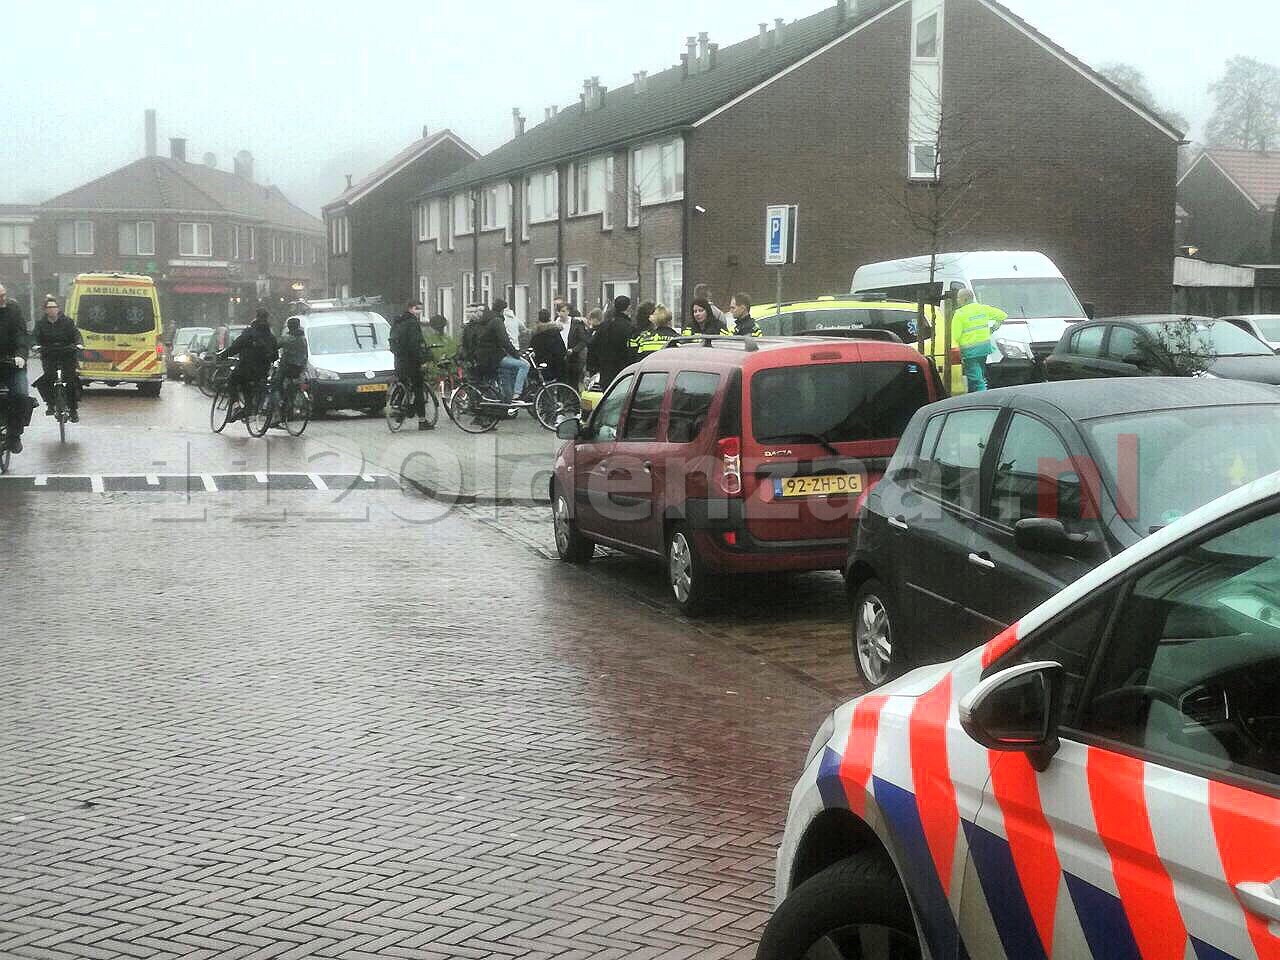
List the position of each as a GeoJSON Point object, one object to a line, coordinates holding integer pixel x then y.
{"type": "Point", "coordinates": [703, 52]}
{"type": "Point", "coordinates": [842, 11]}
{"type": "Point", "coordinates": [348, 181]}
{"type": "Point", "coordinates": [684, 65]}
{"type": "Point", "coordinates": [778, 25]}
{"type": "Point", "coordinates": [211, 161]}
{"type": "Point", "coordinates": [243, 165]}
{"type": "Point", "coordinates": [517, 121]}
{"type": "Point", "coordinates": [714, 56]}
{"type": "Point", "coordinates": [642, 81]}
{"type": "Point", "coordinates": [764, 36]}
{"type": "Point", "coordinates": [150, 124]}
{"type": "Point", "coordinates": [178, 148]}
{"type": "Point", "coordinates": [691, 49]}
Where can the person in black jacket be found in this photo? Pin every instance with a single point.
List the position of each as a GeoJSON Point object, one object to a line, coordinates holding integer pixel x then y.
{"type": "Point", "coordinates": [575, 342]}
{"type": "Point", "coordinates": [256, 347]}
{"type": "Point", "coordinates": [60, 343]}
{"type": "Point", "coordinates": [549, 346]}
{"type": "Point", "coordinates": [497, 356]}
{"type": "Point", "coordinates": [611, 345]}
{"type": "Point", "coordinates": [410, 353]}
{"type": "Point", "coordinates": [14, 344]}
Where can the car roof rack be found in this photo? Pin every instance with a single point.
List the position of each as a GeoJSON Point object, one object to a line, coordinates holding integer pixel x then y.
{"type": "Point", "coordinates": [714, 340]}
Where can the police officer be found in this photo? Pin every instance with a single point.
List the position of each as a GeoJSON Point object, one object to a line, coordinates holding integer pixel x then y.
{"type": "Point", "coordinates": [973, 324]}
{"type": "Point", "coordinates": [660, 331]}
{"type": "Point", "coordinates": [744, 325]}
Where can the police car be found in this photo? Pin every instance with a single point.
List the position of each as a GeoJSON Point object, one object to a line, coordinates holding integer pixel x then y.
{"type": "Point", "coordinates": [1100, 780]}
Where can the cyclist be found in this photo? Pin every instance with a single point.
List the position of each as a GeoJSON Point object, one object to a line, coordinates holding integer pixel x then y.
{"type": "Point", "coordinates": [293, 359]}
{"type": "Point", "coordinates": [60, 344]}
{"type": "Point", "coordinates": [410, 353]}
{"type": "Point", "coordinates": [496, 356]}
{"type": "Point", "coordinates": [14, 344]}
{"type": "Point", "coordinates": [256, 347]}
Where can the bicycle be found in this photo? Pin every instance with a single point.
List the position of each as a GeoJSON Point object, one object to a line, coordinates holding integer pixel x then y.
{"type": "Point", "coordinates": [553, 400]}
{"type": "Point", "coordinates": [475, 406]}
{"type": "Point", "coordinates": [58, 398]}
{"type": "Point", "coordinates": [226, 403]}
{"type": "Point", "coordinates": [279, 404]}
{"type": "Point", "coordinates": [400, 401]}
{"type": "Point", "coordinates": [212, 375]}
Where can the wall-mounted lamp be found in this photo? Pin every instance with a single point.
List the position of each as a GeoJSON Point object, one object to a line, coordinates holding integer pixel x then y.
{"type": "Point", "coordinates": [699, 208]}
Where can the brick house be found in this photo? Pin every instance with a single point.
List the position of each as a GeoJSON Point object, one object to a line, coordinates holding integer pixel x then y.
{"type": "Point", "coordinates": [15, 263]}
{"type": "Point", "coordinates": [217, 243]}
{"type": "Point", "coordinates": [370, 224]}
{"type": "Point", "coordinates": [1230, 198]}
{"type": "Point", "coordinates": [662, 184]}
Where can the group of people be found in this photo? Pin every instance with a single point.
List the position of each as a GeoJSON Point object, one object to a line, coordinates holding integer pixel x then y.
{"type": "Point", "coordinates": [60, 345]}
{"type": "Point", "coordinates": [256, 349]}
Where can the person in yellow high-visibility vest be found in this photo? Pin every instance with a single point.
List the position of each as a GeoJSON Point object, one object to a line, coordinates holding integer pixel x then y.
{"type": "Point", "coordinates": [972, 325]}
{"type": "Point", "coordinates": [660, 331]}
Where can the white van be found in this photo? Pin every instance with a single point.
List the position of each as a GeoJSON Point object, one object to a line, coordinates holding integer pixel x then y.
{"type": "Point", "coordinates": [1024, 284]}
{"type": "Point", "coordinates": [350, 359]}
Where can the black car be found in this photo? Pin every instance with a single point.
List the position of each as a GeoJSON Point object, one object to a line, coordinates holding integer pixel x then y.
{"type": "Point", "coordinates": [995, 501]}
{"type": "Point", "coordinates": [182, 354]}
{"type": "Point", "coordinates": [1161, 346]}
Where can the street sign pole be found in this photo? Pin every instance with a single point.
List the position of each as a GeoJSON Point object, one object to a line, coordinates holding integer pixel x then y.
{"type": "Point", "coordinates": [777, 300]}
{"type": "Point", "coordinates": [780, 242]}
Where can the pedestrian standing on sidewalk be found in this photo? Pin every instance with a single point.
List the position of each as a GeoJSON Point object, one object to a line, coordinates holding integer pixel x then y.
{"type": "Point", "coordinates": [973, 324]}
{"type": "Point", "coordinates": [576, 340]}
{"type": "Point", "coordinates": [610, 349]}
{"type": "Point", "coordinates": [410, 352]}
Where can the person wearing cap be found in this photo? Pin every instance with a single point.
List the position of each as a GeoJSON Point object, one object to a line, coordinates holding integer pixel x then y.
{"type": "Point", "coordinates": [610, 350]}
{"type": "Point", "coordinates": [60, 342]}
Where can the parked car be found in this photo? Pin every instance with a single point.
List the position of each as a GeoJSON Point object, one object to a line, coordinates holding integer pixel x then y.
{"type": "Point", "coordinates": [729, 457]}
{"type": "Point", "coordinates": [836, 316]}
{"type": "Point", "coordinates": [179, 358]}
{"type": "Point", "coordinates": [996, 501]}
{"type": "Point", "coordinates": [1026, 285]}
{"type": "Point", "coordinates": [351, 364]}
{"type": "Point", "coordinates": [1264, 326]}
{"type": "Point", "coordinates": [1099, 780]}
{"type": "Point", "coordinates": [1162, 346]}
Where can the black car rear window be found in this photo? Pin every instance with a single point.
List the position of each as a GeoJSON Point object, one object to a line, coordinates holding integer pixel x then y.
{"type": "Point", "coordinates": [839, 402]}
{"type": "Point", "coordinates": [110, 314]}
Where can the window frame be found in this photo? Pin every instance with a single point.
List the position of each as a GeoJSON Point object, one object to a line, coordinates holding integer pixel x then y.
{"type": "Point", "coordinates": [938, 496]}
{"type": "Point", "coordinates": [914, 172]}
{"type": "Point", "coordinates": [578, 286]}
{"type": "Point", "coordinates": [135, 226]}
{"type": "Point", "coordinates": [624, 435]}
{"type": "Point", "coordinates": [1073, 345]}
{"type": "Point", "coordinates": [623, 385]}
{"type": "Point", "coordinates": [195, 231]}
{"type": "Point", "coordinates": [637, 178]}
{"type": "Point", "coordinates": [676, 311]}
{"type": "Point", "coordinates": [999, 436]}
{"type": "Point", "coordinates": [547, 178]}
{"type": "Point", "coordinates": [671, 403]}
{"type": "Point", "coordinates": [467, 209]}
{"type": "Point", "coordinates": [75, 228]}
{"type": "Point", "coordinates": [916, 56]}
{"type": "Point", "coordinates": [19, 239]}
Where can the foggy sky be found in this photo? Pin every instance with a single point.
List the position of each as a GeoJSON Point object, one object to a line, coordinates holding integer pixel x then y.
{"type": "Point", "coordinates": [318, 89]}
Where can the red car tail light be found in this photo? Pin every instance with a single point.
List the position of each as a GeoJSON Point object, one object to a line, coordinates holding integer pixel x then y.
{"type": "Point", "coordinates": [730, 465]}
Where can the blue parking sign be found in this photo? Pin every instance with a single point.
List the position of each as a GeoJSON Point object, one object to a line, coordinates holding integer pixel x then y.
{"type": "Point", "coordinates": [778, 241]}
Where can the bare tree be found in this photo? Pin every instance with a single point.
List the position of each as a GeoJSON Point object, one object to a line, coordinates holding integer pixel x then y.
{"type": "Point", "coordinates": [1246, 111]}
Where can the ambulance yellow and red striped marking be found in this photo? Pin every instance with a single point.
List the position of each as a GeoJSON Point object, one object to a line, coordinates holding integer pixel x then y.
{"type": "Point", "coordinates": [1102, 854]}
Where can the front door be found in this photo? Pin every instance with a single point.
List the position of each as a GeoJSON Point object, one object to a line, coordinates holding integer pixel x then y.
{"type": "Point", "coordinates": [591, 453]}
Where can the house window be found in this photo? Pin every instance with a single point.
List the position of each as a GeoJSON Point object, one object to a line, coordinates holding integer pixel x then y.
{"type": "Point", "coordinates": [15, 239]}
{"type": "Point", "coordinates": [195, 240]}
{"type": "Point", "coordinates": [655, 175]}
{"type": "Point", "coordinates": [137, 239]}
{"type": "Point", "coordinates": [588, 186]}
{"type": "Point", "coordinates": [924, 161]}
{"type": "Point", "coordinates": [495, 207]}
{"type": "Point", "coordinates": [486, 288]}
{"type": "Point", "coordinates": [339, 237]}
{"type": "Point", "coordinates": [520, 300]}
{"type": "Point", "coordinates": [249, 242]}
{"type": "Point", "coordinates": [424, 291]}
{"type": "Point", "coordinates": [469, 287]}
{"type": "Point", "coordinates": [462, 214]}
{"type": "Point", "coordinates": [576, 285]}
{"type": "Point", "coordinates": [926, 38]}
{"type": "Point", "coordinates": [444, 302]}
{"type": "Point", "coordinates": [542, 196]}
{"type": "Point", "coordinates": [670, 284]}
{"type": "Point", "coordinates": [75, 238]}
{"type": "Point", "coordinates": [548, 285]}
{"type": "Point", "coordinates": [428, 220]}
{"type": "Point", "coordinates": [606, 220]}
{"type": "Point", "coordinates": [611, 289]}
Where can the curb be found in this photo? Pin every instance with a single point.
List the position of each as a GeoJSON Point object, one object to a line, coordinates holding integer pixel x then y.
{"type": "Point", "coordinates": [473, 499]}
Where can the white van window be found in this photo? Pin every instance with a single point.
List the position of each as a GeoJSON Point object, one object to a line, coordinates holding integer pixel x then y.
{"type": "Point", "coordinates": [363, 337]}
{"type": "Point", "coordinates": [1030, 298]}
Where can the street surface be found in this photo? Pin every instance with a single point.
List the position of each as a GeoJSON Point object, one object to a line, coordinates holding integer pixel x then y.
{"type": "Point", "coordinates": [267, 700]}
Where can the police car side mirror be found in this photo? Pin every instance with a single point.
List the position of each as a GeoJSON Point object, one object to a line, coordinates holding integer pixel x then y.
{"type": "Point", "coordinates": [569, 429]}
{"type": "Point", "coordinates": [1017, 710]}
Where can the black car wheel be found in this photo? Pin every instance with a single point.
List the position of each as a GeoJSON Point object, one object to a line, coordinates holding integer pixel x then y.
{"type": "Point", "coordinates": [687, 576]}
{"type": "Point", "coordinates": [856, 908]}
{"type": "Point", "coordinates": [875, 634]}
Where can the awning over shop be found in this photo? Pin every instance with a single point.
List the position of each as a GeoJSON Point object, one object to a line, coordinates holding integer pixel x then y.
{"type": "Point", "coordinates": [200, 288]}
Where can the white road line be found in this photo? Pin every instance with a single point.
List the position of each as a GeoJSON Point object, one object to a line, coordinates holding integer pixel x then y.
{"type": "Point", "coordinates": [317, 482]}
{"type": "Point", "coordinates": [153, 480]}
{"type": "Point", "coordinates": [209, 485]}
{"type": "Point", "coordinates": [368, 478]}
{"type": "Point", "coordinates": [96, 484]}
{"type": "Point", "coordinates": [42, 481]}
{"type": "Point", "coordinates": [261, 478]}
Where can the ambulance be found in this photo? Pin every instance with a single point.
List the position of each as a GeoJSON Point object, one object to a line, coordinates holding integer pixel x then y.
{"type": "Point", "coordinates": [119, 318]}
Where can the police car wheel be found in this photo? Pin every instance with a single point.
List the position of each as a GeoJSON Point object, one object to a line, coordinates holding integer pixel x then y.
{"type": "Point", "coordinates": [855, 908]}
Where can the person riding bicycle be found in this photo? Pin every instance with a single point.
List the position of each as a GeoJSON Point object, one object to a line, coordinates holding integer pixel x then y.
{"type": "Point", "coordinates": [410, 353]}
{"type": "Point", "coordinates": [14, 344]}
{"type": "Point", "coordinates": [60, 343]}
{"type": "Point", "coordinates": [497, 356]}
{"type": "Point", "coordinates": [293, 357]}
{"type": "Point", "coordinates": [256, 347]}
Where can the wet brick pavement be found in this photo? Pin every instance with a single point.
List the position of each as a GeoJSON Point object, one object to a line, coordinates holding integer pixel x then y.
{"type": "Point", "coordinates": [301, 724]}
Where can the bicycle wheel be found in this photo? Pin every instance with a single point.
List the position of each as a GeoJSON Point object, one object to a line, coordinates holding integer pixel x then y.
{"type": "Point", "coordinates": [556, 402]}
{"type": "Point", "coordinates": [258, 416]}
{"type": "Point", "coordinates": [297, 413]}
{"type": "Point", "coordinates": [396, 398]}
{"type": "Point", "coordinates": [471, 412]}
{"type": "Point", "coordinates": [220, 410]}
{"type": "Point", "coordinates": [432, 406]}
{"type": "Point", "coordinates": [204, 381]}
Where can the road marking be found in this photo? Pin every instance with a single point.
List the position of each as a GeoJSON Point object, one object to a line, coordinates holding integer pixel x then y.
{"type": "Point", "coordinates": [42, 481]}
{"type": "Point", "coordinates": [209, 485]}
{"type": "Point", "coordinates": [317, 481]}
{"type": "Point", "coordinates": [261, 478]}
{"type": "Point", "coordinates": [153, 480]}
{"type": "Point", "coordinates": [96, 484]}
